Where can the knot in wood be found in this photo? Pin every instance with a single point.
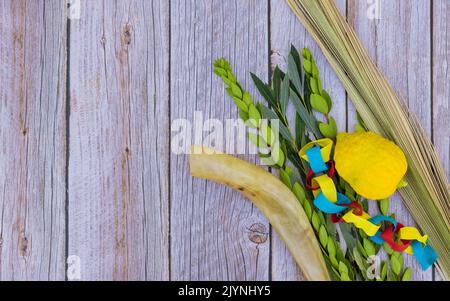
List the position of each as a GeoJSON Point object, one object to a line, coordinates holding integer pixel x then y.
{"type": "Point", "coordinates": [103, 40]}
{"type": "Point", "coordinates": [126, 34]}
{"type": "Point", "coordinates": [23, 246]}
{"type": "Point", "coordinates": [257, 233]}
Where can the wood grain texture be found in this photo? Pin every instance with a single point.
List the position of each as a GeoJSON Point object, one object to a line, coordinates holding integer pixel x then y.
{"type": "Point", "coordinates": [399, 43]}
{"type": "Point", "coordinates": [441, 88]}
{"type": "Point", "coordinates": [118, 167]}
{"type": "Point", "coordinates": [32, 139]}
{"type": "Point", "coordinates": [441, 80]}
{"type": "Point", "coordinates": [285, 31]}
{"type": "Point", "coordinates": [134, 66]}
{"type": "Point", "coordinates": [215, 233]}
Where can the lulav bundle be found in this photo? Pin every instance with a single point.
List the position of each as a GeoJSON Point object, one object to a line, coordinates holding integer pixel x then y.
{"type": "Point", "coordinates": [427, 196]}
{"type": "Point", "coordinates": [302, 86]}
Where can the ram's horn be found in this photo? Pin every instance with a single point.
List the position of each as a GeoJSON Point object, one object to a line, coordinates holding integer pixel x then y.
{"type": "Point", "coordinates": [273, 198]}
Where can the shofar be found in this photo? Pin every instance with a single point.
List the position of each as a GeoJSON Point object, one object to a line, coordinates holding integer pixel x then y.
{"type": "Point", "coordinates": [273, 198]}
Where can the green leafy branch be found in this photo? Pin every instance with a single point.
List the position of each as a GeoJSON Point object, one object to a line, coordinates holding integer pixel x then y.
{"type": "Point", "coordinates": [339, 266]}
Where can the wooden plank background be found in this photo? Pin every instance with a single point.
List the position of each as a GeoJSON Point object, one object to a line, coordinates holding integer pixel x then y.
{"type": "Point", "coordinates": [86, 108]}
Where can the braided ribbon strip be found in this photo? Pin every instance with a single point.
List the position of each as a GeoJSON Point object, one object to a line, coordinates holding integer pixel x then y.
{"type": "Point", "coordinates": [320, 181]}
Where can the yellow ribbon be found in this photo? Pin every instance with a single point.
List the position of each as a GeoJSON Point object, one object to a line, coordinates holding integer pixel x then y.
{"type": "Point", "coordinates": [361, 222]}
{"type": "Point", "coordinates": [326, 147]}
{"type": "Point", "coordinates": [327, 187]}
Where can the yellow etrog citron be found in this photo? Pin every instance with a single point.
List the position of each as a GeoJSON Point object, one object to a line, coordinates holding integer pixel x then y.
{"type": "Point", "coordinates": [371, 164]}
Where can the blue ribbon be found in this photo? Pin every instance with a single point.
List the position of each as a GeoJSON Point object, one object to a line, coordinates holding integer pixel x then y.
{"type": "Point", "coordinates": [315, 159]}
{"type": "Point", "coordinates": [326, 206]}
{"type": "Point", "coordinates": [377, 220]}
{"type": "Point", "coordinates": [426, 256]}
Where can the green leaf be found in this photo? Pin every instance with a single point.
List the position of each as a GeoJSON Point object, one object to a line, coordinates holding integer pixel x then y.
{"type": "Point", "coordinates": [308, 210]}
{"type": "Point", "coordinates": [307, 66]}
{"type": "Point", "coordinates": [284, 94]}
{"type": "Point", "coordinates": [299, 192]}
{"type": "Point", "coordinates": [276, 82]}
{"type": "Point", "coordinates": [368, 247]}
{"type": "Point", "coordinates": [334, 262]}
{"type": "Point", "coordinates": [345, 277]}
{"type": "Point", "coordinates": [267, 161]}
{"type": "Point", "coordinates": [407, 275]}
{"type": "Point", "coordinates": [299, 131]}
{"type": "Point", "coordinates": [365, 204]}
{"type": "Point", "coordinates": [278, 156]}
{"type": "Point", "coordinates": [315, 70]}
{"type": "Point", "coordinates": [293, 73]}
{"type": "Point", "coordinates": [231, 76]}
{"type": "Point", "coordinates": [314, 86]}
{"type": "Point", "coordinates": [243, 115]}
{"type": "Point", "coordinates": [359, 261]}
{"type": "Point", "coordinates": [296, 55]}
{"type": "Point", "coordinates": [361, 248]}
{"type": "Point", "coordinates": [331, 248]}
{"type": "Point", "coordinates": [323, 236]}
{"type": "Point", "coordinates": [240, 104]}
{"type": "Point", "coordinates": [222, 63]}
{"type": "Point", "coordinates": [220, 72]}
{"type": "Point", "coordinates": [306, 117]}
{"type": "Point", "coordinates": [400, 259]}
{"type": "Point", "coordinates": [327, 97]}
{"type": "Point", "coordinates": [254, 114]}
{"type": "Point", "coordinates": [387, 249]}
{"type": "Point", "coordinates": [267, 134]}
{"type": "Point", "coordinates": [343, 268]}
{"type": "Point", "coordinates": [319, 104]}
{"type": "Point", "coordinates": [254, 138]}
{"type": "Point", "coordinates": [383, 270]}
{"type": "Point", "coordinates": [331, 227]}
{"type": "Point", "coordinates": [247, 98]}
{"type": "Point", "coordinates": [306, 53]}
{"type": "Point", "coordinates": [396, 268]}
{"type": "Point", "coordinates": [264, 90]}
{"type": "Point", "coordinates": [237, 92]}
{"type": "Point", "coordinates": [319, 83]}
{"type": "Point", "coordinates": [329, 130]}
{"type": "Point", "coordinates": [315, 221]}
{"type": "Point", "coordinates": [321, 217]}
{"type": "Point", "coordinates": [270, 115]}
{"type": "Point", "coordinates": [383, 205]}
{"type": "Point", "coordinates": [349, 239]}
{"type": "Point", "coordinates": [285, 178]}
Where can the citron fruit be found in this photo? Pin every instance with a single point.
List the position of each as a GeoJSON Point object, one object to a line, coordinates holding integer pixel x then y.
{"type": "Point", "coordinates": [371, 164]}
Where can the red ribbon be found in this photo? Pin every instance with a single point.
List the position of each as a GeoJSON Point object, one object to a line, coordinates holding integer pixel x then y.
{"type": "Point", "coordinates": [331, 172]}
{"type": "Point", "coordinates": [388, 236]}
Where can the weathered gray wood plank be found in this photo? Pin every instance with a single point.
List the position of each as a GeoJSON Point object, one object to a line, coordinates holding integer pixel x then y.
{"type": "Point", "coordinates": [119, 143]}
{"type": "Point", "coordinates": [399, 43]}
{"type": "Point", "coordinates": [441, 80]}
{"type": "Point", "coordinates": [212, 227]}
{"type": "Point", "coordinates": [32, 140]}
{"type": "Point", "coordinates": [287, 30]}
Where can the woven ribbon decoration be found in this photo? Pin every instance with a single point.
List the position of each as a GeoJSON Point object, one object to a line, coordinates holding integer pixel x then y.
{"type": "Point", "coordinates": [328, 200]}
